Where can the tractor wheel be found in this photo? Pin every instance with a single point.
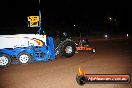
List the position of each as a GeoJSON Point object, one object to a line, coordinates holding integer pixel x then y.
{"type": "Point", "coordinates": [81, 80]}
{"type": "Point", "coordinates": [5, 60]}
{"type": "Point", "coordinates": [68, 49]}
{"type": "Point", "coordinates": [93, 50]}
{"type": "Point", "coordinates": [24, 58]}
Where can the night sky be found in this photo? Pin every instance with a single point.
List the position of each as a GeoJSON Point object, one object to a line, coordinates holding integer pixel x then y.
{"type": "Point", "coordinates": [86, 15]}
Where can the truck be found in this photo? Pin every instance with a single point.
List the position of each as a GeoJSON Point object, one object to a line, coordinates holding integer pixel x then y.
{"type": "Point", "coordinates": [27, 48]}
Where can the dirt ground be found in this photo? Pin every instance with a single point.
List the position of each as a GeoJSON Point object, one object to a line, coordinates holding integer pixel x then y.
{"type": "Point", "coordinates": [111, 57]}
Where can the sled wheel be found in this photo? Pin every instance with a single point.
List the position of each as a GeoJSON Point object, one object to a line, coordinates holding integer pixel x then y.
{"type": "Point", "coordinates": [24, 58]}
{"type": "Point", "coordinates": [5, 60]}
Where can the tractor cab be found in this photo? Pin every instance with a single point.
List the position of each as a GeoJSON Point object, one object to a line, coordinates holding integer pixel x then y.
{"type": "Point", "coordinates": [84, 40]}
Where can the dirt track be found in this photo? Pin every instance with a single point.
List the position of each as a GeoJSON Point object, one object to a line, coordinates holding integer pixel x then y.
{"type": "Point", "coordinates": [112, 57]}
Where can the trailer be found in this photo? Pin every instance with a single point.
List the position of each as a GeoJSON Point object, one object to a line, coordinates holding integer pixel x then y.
{"type": "Point", "coordinates": [27, 48]}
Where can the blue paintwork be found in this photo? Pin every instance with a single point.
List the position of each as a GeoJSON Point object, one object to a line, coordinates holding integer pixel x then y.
{"type": "Point", "coordinates": [39, 53]}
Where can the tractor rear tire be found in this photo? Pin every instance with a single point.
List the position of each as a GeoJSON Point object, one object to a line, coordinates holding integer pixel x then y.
{"type": "Point", "coordinates": [67, 49]}
{"type": "Point", "coordinates": [5, 60]}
